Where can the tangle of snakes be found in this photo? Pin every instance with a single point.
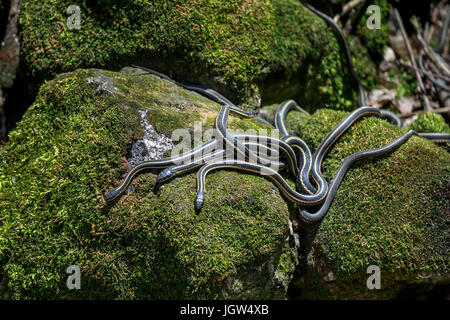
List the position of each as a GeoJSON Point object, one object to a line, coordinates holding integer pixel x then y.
{"type": "Point", "coordinates": [260, 154]}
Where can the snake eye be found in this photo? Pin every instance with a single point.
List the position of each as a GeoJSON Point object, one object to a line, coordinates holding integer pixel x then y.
{"type": "Point", "coordinates": [199, 199]}
{"type": "Point", "coordinates": [163, 175]}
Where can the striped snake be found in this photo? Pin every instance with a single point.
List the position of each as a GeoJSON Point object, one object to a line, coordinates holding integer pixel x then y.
{"type": "Point", "coordinates": [258, 154]}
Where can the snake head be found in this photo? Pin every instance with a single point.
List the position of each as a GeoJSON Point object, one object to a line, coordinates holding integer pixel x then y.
{"type": "Point", "coordinates": [164, 175]}
{"type": "Point", "coordinates": [199, 199]}
{"type": "Point", "coordinates": [111, 194]}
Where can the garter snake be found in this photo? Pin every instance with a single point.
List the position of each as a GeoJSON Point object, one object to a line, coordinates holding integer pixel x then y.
{"type": "Point", "coordinates": [176, 165]}
{"type": "Point", "coordinates": [361, 91]}
{"type": "Point", "coordinates": [258, 156]}
{"type": "Point", "coordinates": [212, 160]}
{"type": "Point", "coordinates": [300, 198]}
{"type": "Point", "coordinates": [285, 189]}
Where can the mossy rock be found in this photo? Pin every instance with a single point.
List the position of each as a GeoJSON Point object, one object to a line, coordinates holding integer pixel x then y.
{"type": "Point", "coordinates": [243, 48]}
{"type": "Point", "coordinates": [430, 122]}
{"type": "Point", "coordinates": [390, 211]}
{"type": "Point", "coordinates": [69, 150]}
{"type": "Point", "coordinates": [374, 40]}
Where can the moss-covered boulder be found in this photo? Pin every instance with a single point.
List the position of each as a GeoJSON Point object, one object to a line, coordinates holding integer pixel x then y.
{"type": "Point", "coordinates": [430, 122]}
{"type": "Point", "coordinates": [70, 148]}
{"type": "Point", "coordinates": [247, 49]}
{"type": "Point", "coordinates": [374, 40]}
{"type": "Point", "coordinates": [392, 212]}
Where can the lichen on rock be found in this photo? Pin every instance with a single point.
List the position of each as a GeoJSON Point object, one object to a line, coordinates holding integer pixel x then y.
{"type": "Point", "coordinates": [152, 146]}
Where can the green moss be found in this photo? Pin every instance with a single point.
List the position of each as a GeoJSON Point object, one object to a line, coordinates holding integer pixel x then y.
{"type": "Point", "coordinates": [231, 45]}
{"type": "Point", "coordinates": [308, 52]}
{"type": "Point", "coordinates": [364, 66]}
{"type": "Point", "coordinates": [298, 36]}
{"type": "Point", "coordinates": [332, 86]}
{"type": "Point", "coordinates": [430, 122]}
{"type": "Point", "coordinates": [68, 151]}
{"type": "Point", "coordinates": [374, 40]}
{"type": "Point", "coordinates": [404, 82]}
{"type": "Point", "coordinates": [285, 264]}
{"type": "Point", "coordinates": [208, 38]}
{"type": "Point", "coordinates": [389, 211]}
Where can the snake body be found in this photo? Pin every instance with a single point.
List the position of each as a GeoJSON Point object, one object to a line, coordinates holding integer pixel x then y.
{"type": "Point", "coordinates": [344, 44]}
{"type": "Point", "coordinates": [263, 155]}
{"type": "Point", "coordinates": [361, 91]}
{"type": "Point", "coordinates": [212, 155]}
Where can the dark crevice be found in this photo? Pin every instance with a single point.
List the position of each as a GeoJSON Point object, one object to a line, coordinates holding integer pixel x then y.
{"type": "Point", "coordinates": [9, 66]}
{"type": "Point", "coordinates": [17, 102]}
{"type": "Point", "coordinates": [4, 11]}
{"type": "Point", "coordinates": [278, 87]}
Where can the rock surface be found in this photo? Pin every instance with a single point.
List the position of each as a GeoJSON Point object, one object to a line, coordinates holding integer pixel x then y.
{"type": "Point", "coordinates": [392, 212]}
{"type": "Point", "coordinates": [243, 48]}
{"type": "Point", "coordinates": [71, 148]}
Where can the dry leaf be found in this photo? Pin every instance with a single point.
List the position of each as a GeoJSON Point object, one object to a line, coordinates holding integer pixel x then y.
{"type": "Point", "coordinates": [404, 105]}
{"type": "Point", "coordinates": [379, 97]}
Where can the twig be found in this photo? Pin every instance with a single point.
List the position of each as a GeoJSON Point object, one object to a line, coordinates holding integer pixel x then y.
{"type": "Point", "coordinates": [429, 29]}
{"type": "Point", "coordinates": [427, 73]}
{"type": "Point", "coordinates": [347, 7]}
{"type": "Point", "coordinates": [430, 52]}
{"type": "Point", "coordinates": [428, 33]}
{"type": "Point", "coordinates": [413, 61]}
{"type": "Point", "coordinates": [409, 114]}
{"type": "Point", "coordinates": [444, 32]}
{"type": "Point", "coordinates": [434, 56]}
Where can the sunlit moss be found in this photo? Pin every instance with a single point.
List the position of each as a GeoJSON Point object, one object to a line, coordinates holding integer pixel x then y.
{"type": "Point", "coordinates": [390, 211]}
{"type": "Point", "coordinates": [68, 151]}
{"type": "Point", "coordinates": [233, 45]}
{"type": "Point", "coordinates": [430, 122]}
